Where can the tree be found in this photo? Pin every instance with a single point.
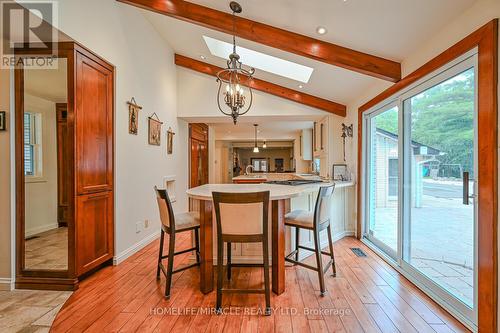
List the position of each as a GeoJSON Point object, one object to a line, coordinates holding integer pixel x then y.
{"type": "Point", "coordinates": [442, 117]}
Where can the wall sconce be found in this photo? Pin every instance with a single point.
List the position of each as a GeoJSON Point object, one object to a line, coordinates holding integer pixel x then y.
{"type": "Point", "coordinates": [346, 133]}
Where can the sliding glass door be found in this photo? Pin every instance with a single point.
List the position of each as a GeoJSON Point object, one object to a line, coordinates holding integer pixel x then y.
{"type": "Point", "coordinates": [383, 179]}
{"type": "Point", "coordinates": [420, 179]}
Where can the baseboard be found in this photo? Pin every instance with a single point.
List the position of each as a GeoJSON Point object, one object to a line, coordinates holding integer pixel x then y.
{"type": "Point", "coordinates": [41, 229]}
{"type": "Point", "coordinates": [120, 257]}
{"type": "Point", "coordinates": [6, 284]}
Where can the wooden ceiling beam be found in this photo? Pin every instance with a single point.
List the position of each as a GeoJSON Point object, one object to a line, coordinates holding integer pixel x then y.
{"type": "Point", "coordinates": [267, 87]}
{"type": "Point", "coordinates": [275, 37]}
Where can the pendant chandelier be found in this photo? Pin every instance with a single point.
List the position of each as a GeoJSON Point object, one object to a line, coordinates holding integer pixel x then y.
{"type": "Point", "coordinates": [255, 147]}
{"type": "Point", "coordinates": [237, 100]}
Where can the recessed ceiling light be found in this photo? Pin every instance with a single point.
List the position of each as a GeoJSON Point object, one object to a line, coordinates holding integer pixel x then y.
{"type": "Point", "coordinates": [321, 30]}
{"type": "Point", "coordinates": [203, 57]}
{"type": "Point", "coordinates": [301, 86]}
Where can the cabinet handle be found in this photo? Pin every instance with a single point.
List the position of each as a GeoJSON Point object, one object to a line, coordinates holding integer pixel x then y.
{"type": "Point", "coordinates": [300, 145]}
{"type": "Point", "coordinates": [321, 136]}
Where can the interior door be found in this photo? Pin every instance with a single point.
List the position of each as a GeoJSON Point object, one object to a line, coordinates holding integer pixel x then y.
{"type": "Point", "coordinates": [198, 158]}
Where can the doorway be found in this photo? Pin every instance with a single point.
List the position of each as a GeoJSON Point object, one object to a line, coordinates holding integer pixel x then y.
{"type": "Point", "coordinates": [198, 158]}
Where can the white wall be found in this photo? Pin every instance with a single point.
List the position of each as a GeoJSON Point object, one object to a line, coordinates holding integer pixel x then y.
{"type": "Point", "coordinates": [41, 192]}
{"type": "Point", "coordinates": [197, 92]}
{"type": "Point", "coordinates": [145, 70]}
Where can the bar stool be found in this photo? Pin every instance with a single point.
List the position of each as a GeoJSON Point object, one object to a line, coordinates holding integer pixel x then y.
{"type": "Point", "coordinates": [316, 221]}
{"type": "Point", "coordinates": [241, 218]}
{"type": "Point", "coordinates": [173, 224]}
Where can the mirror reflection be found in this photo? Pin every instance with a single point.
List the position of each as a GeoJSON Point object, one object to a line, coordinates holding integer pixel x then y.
{"type": "Point", "coordinates": [46, 177]}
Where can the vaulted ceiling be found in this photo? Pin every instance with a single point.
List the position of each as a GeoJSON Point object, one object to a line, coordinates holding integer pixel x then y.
{"type": "Point", "coordinates": [390, 29]}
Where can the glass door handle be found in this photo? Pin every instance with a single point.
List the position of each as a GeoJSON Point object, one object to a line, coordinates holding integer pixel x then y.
{"type": "Point", "coordinates": [465, 179]}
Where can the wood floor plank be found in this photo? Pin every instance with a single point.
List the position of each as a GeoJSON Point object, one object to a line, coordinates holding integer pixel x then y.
{"type": "Point", "coordinates": [367, 295]}
{"type": "Point", "coordinates": [383, 322]}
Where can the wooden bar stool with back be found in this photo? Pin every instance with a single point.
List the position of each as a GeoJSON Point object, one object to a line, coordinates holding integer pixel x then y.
{"type": "Point", "coordinates": [316, 221]}
{"type": "Point", "coordinates": [172, 224]}
{"type": "Point", "coordinates": [241, 218]}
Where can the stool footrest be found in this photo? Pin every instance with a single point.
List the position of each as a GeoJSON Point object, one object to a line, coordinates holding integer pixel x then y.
{"type": "Point", "coordinates": [300, 263]}
{"type": "Point", "coordinates": [313, 250]}
{"type": "Point", "coordinates": [245, 291]}
{"type": "Point", "coordinates": [180, 252]}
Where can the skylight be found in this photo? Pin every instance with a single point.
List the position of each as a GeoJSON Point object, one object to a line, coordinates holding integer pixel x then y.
{"type": "Point", "coordinates": [260, 60]}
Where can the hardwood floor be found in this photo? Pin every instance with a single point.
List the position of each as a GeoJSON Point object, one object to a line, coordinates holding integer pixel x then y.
{"type": "Point", "coordinates": [366, 296]}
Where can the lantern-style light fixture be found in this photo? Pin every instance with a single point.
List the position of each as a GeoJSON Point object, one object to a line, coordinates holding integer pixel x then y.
{"type": "Point", "coordinates": [255, 147]}
{"type": "Point", "coordinates": [234, 81]}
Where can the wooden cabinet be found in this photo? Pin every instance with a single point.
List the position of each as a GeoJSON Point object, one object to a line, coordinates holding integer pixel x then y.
{"type": "Point", "coordinates": [93, 162]}
{"type": "Point", "coordinates": [94, 230]}
{"type": "Point", "coordinates": [85, 175]}
{"type": "Point", "coordinates": [94, 126]}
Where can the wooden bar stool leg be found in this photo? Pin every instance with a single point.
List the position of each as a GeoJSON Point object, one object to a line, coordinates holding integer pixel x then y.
{"type": "Point", "coordinates": [220, 273]}
{"type": "Point", "coordinates": [330, 244]}
{"type": "Point", "coordinates": [297, 242]}
{"type": "Point", "coordinates": [197, 244]}
{"type": "Point", "coordinates": [267, 287]}
{"type": "Point", "coordinates": [160, 254]}
{"type": "Point", "coordinates": [170, 264]}
{"type": "Point", "coordinates": [229, 261]}
{"type": "Point", "coordinates": [319, 262]}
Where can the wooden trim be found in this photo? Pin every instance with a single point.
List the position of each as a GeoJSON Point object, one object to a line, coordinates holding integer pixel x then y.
{"type": "Point", "coordinates": [486, 40]}
{"type": "Point", "coordinates": [275, 37]}
{"type": "Point", "coordinates": [206, 247]}
{"type": "Point", "coordinates": [267, 87]}
{"type": "Point", "coordinates": [278, 209]}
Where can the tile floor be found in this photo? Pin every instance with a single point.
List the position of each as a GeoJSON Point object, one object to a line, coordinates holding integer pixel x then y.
{"type": "Point", "coordinates": [29, 311]}
{"type": "Point", "coordinates": [48, 250]}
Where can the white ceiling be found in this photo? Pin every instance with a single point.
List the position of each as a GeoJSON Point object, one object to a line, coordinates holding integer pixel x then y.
{"type": "Point", "coordinates": [387, 28]}
{"type": "Point", "coordinates": [268, 130]}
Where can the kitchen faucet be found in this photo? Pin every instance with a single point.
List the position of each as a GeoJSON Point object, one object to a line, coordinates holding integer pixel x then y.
{"type": "Point", "coordinates": [246, 169]}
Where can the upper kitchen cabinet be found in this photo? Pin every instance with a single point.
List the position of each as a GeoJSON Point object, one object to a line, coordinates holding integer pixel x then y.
{"type": "Point", "coordinates": [321, 136]}
{"type": "Point", "coordinates": [306, 144]}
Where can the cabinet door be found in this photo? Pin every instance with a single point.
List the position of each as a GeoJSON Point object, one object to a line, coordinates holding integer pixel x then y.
{"type": "Point", "coordinates": [94, 126]}
{"type": "Point", "coordinates": [94, 230]}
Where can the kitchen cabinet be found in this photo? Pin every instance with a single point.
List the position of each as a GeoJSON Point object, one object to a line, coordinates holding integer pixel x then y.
{"type": "Point", "coordinates": [321, 136]}
{"type": "Point", "coordinates": [306, 145]}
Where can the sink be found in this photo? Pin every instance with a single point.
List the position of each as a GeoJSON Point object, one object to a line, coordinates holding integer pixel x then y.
{"type": "Point", "coordinates": [253, 176]}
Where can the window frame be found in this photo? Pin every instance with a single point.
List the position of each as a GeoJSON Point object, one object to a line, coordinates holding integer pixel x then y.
{"type": "Point", "coordinates": [440, 75]}
{"type": "Point", "coordinates": [36, 129]}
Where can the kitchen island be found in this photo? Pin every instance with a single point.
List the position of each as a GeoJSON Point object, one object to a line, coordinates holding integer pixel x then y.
{"type": "Point", "coordinates": [282, 199]}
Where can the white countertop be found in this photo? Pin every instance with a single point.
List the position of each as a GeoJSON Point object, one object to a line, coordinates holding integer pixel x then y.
{"type": "Point", "coordinates": [277, 192]}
